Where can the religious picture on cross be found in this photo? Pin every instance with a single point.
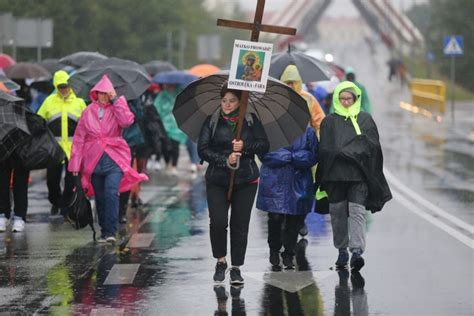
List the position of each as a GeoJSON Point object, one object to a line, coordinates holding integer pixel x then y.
{"type": "Point", "coordinates": [250, 65]}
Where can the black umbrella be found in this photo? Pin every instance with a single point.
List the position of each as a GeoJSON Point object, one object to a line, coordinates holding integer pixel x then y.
{"type": "Point", "coordinates": [27, 71]}
{"type": "Point", "coordinates": [310, 68]}
{"type": "Point", "coordinates": [52, 65]}
{"type": "Point", "coordinates": [79, 59]}
{"type": "Point", "coordinates": [129, 78]}
{"type": "Point", "coordinates": [156, 66]}
{"type": "Point", "coordinates": [13, 128]}
{"type": "Point", "coordinates": [283, 112]}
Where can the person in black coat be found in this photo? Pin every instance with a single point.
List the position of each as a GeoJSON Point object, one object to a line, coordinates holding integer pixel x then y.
{"type": "Point", "coordinates": [350, 170]}
{"type": "Point", "coordinates": [217, 146]}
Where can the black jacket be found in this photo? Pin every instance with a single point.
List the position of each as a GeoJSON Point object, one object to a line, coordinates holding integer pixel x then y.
{"type": "Point", "coordinates": [345, 156]}
{"type": "Point", "coordinates": [215, 147]}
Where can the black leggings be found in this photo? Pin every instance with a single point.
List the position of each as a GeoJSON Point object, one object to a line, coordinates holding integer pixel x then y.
{"type": "Point", "coordinates": [283, 231]}
{"type": "Point", "coordinates": [241, 206]}
{"type": "Point", "coordinates": [20, 188]}
{"type": "Point", "coordinates": [172, 154]}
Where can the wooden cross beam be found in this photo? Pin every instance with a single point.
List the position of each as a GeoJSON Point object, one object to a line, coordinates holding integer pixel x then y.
{"type": "Point", "coordinates": [256, 27]}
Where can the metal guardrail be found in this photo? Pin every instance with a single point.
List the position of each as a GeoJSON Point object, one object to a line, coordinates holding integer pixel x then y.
{"type": "Point", "coordinates": [429, 94]}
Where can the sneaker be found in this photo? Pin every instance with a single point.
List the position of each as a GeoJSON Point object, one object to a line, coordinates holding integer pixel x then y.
{"type": "Point", "coordinates": [101, 240]}
{"type": "Point", "coordinates": [111, 239]}
{"type": "Point", "coordinates": [288, 263]}
{"type": "Point", "coordinates": [54, 210]}
{"type": "Point", "coordinates": [303, 230]}
{"type": "Point", "coordinates": [274, 258]}
{"type": "Point", "coordinates": [193, 168]}
{"type": "Point", "coordinates": [235, 277]}
{"type": "Point", "coordinates": [342, 259]}
{"type": "Point", "coordinates": [219, 275]}
{"type": "Point", "coordinates": [357, 262]}
{"type": "Point", "coordinates": [3, 223]}
{"type": "Point", "coordinates": [18, 224]}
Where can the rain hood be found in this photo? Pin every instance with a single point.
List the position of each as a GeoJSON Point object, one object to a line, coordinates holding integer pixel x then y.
{"type": "Point", "coordinates": [291, 73]}
{"type": "Point", "coordinates": [354, 109]}
{"type": "Point", "coordinates": [60, 77]}
{"type": "Point", "coordinates": [104, 85]}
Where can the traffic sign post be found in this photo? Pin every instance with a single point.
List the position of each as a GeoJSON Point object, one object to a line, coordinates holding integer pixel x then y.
{"type": "Point", "coordinates": [453, 47]}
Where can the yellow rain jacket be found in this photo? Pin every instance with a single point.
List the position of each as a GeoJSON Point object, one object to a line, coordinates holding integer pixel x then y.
{"type": "Point", "coordinates": [62, 114]}
{"type": "Point", "coordinates": [317, 114]}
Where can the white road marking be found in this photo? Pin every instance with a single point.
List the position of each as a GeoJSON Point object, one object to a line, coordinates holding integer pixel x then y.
{"type": "Point", "coordinates": [436, 222]}
{"type": "Point", "coordinates": [418, 198]}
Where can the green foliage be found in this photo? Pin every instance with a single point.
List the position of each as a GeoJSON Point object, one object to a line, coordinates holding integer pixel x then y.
{"type": "Point", "coordinates": [132, 29]}
{"type": "Point", "coordinates": [439, 18]}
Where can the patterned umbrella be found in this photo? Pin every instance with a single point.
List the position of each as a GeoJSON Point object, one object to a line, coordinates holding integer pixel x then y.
{"type": "Point", "coordinates": [283, 113]}
{"type": "Point", "coordinates": [13, 128]}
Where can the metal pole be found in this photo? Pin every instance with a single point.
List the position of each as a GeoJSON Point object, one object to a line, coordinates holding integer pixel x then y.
{"type": "Point", "coordinates": [182, 48]}
{"type": "Point", "coordinates": [169, 46]}
{"type": "Point", "coordinates": [452, 86]}
{"type": "Point", "coordinates": [39, 29]}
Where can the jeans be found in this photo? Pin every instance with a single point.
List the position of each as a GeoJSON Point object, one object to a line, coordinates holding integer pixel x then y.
{"type": "Point", "coordinates": [106, 180]}
{"type": "Point", "coordinates": [192, 150]}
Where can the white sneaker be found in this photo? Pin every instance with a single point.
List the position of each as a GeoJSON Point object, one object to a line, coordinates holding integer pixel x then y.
{"type": "Point", "coordinates": [193, 168]}
{"type": "Point", "coordinates": [3, 223]}
{"type": "Point", "coordinates": [18, 224]}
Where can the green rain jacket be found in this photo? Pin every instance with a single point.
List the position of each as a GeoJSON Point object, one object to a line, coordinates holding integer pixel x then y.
{"type": "Point", "coordinates": [349, 149]}
{"type": "Point", "coordinates": [164, 104]}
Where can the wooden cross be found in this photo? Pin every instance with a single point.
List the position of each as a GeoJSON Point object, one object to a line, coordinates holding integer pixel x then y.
{"type": "Point", "coordinates": [256, 27]}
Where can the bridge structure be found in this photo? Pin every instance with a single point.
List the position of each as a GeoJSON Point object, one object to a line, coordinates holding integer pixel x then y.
{"type": "Point", "coordinates": [392, 26]}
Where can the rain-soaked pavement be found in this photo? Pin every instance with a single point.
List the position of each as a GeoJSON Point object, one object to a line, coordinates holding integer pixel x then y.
{"type": "Point", "coordinates": [419, 258]}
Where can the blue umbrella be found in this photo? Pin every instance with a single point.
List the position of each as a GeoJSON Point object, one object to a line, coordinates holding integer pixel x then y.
{"type": "Point", "coordinates": [177, 77]}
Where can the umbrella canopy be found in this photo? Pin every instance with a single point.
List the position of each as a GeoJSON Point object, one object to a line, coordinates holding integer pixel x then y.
{"type": "Point", "coordinates": [177, 77]}
{"type": "Point", "coordinates": [27, 71]}
{"type": "Point", "coordinates": [13, 128]}
{"type": "Point", "coordinates": [283, 112]}
{"type": "Point", "coordinates": [6, 61]}
{"type": "Point", "coordinates": [7, 83]}
{"type": "Point", "coordinates": [203, 70]}
{"type": "Point", "coordinates": [79, 59]}
{"type": "Point", "coordinates": [129, 78]}
{"type": "Point", "coordinates": [156, 66]}
{"type": "Point", "coordinates": [52, 65]}
{"type": "Point", "coordinates": [310, 68]}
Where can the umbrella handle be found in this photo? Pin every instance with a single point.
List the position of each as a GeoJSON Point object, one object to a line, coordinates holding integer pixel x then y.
{"type": "Point", "coordinates": [237, 164]}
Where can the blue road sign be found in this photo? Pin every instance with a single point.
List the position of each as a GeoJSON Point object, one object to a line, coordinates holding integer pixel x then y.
{"type": "Point", "coordinates": [453, 45]}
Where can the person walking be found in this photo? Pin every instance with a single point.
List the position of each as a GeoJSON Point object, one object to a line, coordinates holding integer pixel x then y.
{"type": "Point", "coordinates": [350, 171]}
{"type": "Point", "coordinates": [286, 192]}
{"type": "Point", "coordinates": [164, 103]}
{"type": "Point", "coordinates": [366, 105]}
{"type": "Point", "coordinates": [217, 146]}
{"type": "Point", "coordinates": [62, 111]}
{"type": "Point", "coordinates": [101, 155]}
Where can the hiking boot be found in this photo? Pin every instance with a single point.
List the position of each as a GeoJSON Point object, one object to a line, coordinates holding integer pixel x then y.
{"type": "Point", "coordinates": [288, 263]}
{"type": "Point", "coordinates": [18, 224]}
{"type": "Point", "coordinates": [219, 275]}
{"type": "Point", "coordinates": [303, 230]}
{"type": "Point", "coordinates": [235, 277]}
{"type": "Point", "coordinates": [54, 210]}
{"type": "Point", "coordinates": [342, 259]}
{"type": "Point", "coordinates": [274, 258]}
{"type": "Point", "coordinates": [357, 262]}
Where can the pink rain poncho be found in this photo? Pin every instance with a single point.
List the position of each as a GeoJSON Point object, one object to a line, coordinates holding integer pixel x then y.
{"type": "Point", "coordinates": [93, 137]}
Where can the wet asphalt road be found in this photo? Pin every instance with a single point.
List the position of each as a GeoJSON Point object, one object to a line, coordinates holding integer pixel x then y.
{"type": "Point", "coordinates": [419, 258]}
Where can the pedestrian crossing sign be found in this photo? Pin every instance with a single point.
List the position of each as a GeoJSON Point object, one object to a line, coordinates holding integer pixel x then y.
{"type": "Point", "coordinates": [453, 45]}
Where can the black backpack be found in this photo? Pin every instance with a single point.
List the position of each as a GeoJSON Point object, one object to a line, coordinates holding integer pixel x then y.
{"type": "Point", "coordinates": [78, 210]}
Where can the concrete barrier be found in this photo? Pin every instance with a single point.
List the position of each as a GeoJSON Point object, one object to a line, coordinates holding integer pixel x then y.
{"type": "Point", "coordinates": [428, 94]}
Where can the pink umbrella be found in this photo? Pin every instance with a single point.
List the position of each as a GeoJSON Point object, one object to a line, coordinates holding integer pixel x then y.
{"type": "Point", "coordinates": [6, 61]}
